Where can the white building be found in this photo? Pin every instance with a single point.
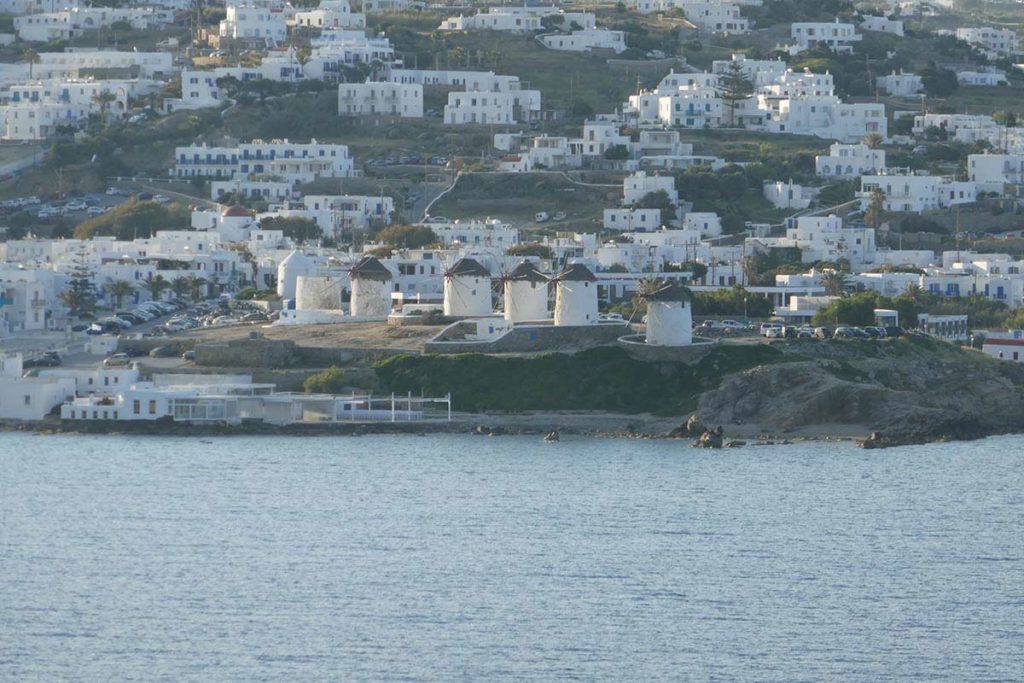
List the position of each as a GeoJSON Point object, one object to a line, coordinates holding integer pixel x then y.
{"type": "Point", "coordinates": [835, 36]}
{"type": "Point", "coordinates": [899, 84]}
{"type": "Point", "coordinates": [823, 238]}
{"type": "Point", "coordinates": [715, 17]}
{"type": "Point", "coordinates": [29, 398]}
{"type": "Point", "coordinates": [254, 23]}
{"type": "Point", "coordinates": [993, 42]}
{"type": "Point", "coordinates": [80, 62]}
{"type": "Point", "coordinates": [849, 161]}
{"type": "Point", "coordinates": [376, 98]}
{"type": "Point", "coordinates": [638, 185]}
{"type": "Point", "coordinates": [480, 107]}
{"type": "Point", "coordinates": [992, 172]}
{"type": "Point", "coordinates": [788, 195]}
{"type": "Point", "coordinates": [877, 24]}
{"type": "Point", "coordinates": [988, 77]}
{"type": "Point", "coordinates": [519, 20]}
{"type": "Point", "coordinates": [282, 160]}
{"type": "Point", "coordinates": [905, 192]}
{"type": "Point", "coordinates": [330, 14]}
{"type": "Point", "coordinates": [488, 233]}
{"type": "Point", "coordinates": [586, 41]}
{"type": "Point", "coordinates": [1010, 347]}
{"type": "Point", "coordinates": [632, 220]}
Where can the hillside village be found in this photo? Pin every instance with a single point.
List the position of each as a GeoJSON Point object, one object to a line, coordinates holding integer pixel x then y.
{"type": "Point", "coordinates": [212, 212]}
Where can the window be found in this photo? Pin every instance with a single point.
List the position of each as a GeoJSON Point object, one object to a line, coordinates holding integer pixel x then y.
{"type": "Point", "coordinates": [28, 400]}
{"type": "Point", "coordinates": [152, 407]}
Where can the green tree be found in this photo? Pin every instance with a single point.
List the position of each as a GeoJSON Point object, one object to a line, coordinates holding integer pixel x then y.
{"type": "Point", "coordinates": [873, 140]}
{"type": "Point", "coordinates": [658, 199]}
{"type": "Point", "coordinates": [734, 87]}
{"type": "Point", "coordinates": [155, 285]}
{"type": "Point", "coordinates": [104, 99]}
{"type": "Point", "coordinates": [531, 249]}
{"type": "Point", "coordinates": [80, 294]}
{"type": "Point", "coordinates": [938, 82]}
{"type": "Point", "coordinates": [834, 282]}
{"type": "Point", "coordinates": [197, 287]}
{"type": "Point", "coordinates": [875, 212]}
{"type": "Point", "coordinates": [180, 286]}
{"type": "Point", "coordinates": [407, 236]}
{"type": "Point", "coordinates": [31, 57]}
{"type": "Point", "coordinates": [857, 309]}
{"type": "Point", "coordinates": [296, 228]}
{"type": "Point", "coordinates": [119, 289]}
{"type": "Point", "coordinates": [329, 381]}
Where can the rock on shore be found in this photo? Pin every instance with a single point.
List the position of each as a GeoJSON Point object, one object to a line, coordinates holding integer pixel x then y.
{"type": "Point", "coordinates": [905, 391]}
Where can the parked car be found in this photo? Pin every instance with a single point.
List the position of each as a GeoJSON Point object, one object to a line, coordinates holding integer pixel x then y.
{"type": "Point", "coordinates": [49, 359]}
{"type": "Point", "coordinates": [895, 331]}
{"type": "Point", "coordinates": [805, 333]}
{"type": "Point", "coordinates": [162, 352]}
{"type": "Point", "coordinates": [767, 327]}
{"type": "Point", "coordinates": [875, 332]}
{"type": "Point", "coordinates": [117, 360]}
{"type": "Point", "coordinates": [189, 355]}
{"type": "Point", "coordinates": [822, 333]}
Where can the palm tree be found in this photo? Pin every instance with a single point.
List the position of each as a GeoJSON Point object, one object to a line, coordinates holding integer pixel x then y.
{"type": "Point", "coordinates": [155, 285]}
{"type": "Point", "coordinates": [196, 287]}
{"type": "Point", "coordinates": [834, 282]}
{"type": "Point", "coordinates": [119, 289]}
{"type": "Point", "coordinates": [180, 286]}
{"type": "Point", "coordinates": [32, 58]}
{"type": "Point", "coordinates": [873, 140]}
{"type": "Point", "coordinates": [103, 99]}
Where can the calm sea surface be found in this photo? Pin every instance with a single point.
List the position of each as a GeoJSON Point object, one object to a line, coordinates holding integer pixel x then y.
{"type": "Point", "coordinates": [482, 559]}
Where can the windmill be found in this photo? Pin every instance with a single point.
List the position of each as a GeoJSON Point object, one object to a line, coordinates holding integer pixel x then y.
{"type": "Point", "coordinates": [371, 290]}
{"type": "Point", "coordinates": [467, 289]}
{"type": "Point", "coordinates": [669, 312]}
{"type": "Point", "coordinates": [575, 296]}
{"type": "Point", "coordinates": [525, 293]}
{"type": "Point", "coordinates": [321, 293]}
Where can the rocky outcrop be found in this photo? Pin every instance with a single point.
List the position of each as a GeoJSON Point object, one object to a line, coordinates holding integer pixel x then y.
{"type": "Point", "coordinates": [904, 391]}
{"type": "Point", "coordinates": [710, 438]}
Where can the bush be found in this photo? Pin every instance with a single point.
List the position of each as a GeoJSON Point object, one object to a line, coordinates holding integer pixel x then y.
{"type": "Point", "coordinates": [329, 381]}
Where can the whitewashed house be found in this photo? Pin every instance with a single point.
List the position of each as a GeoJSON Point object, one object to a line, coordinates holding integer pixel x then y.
{"type": "Point", "coordinates": [899, 84]}
{"type": "Point", "coordinates": [638, 185]}
{"type": "Point", "coordinates": [994, 42]}
{"type": "Point", "coordinates": [29, 398]}
{"type": "Point", "coordinates": [586, 41]}
{"type": "Point", "coordinates": [985, 78]}
{"type": "Point", "coordinates": [905, 192]}
{"type": "Point", "coordinates": [893, 27]}
{"type": "Point", "coordinates": [715, 17]}
{"type": "Point", "coordinates": [632, 219]}
{"type": "Point", "coordinates": [992, 172]}
{"type": "Point", "coordinates": [849, 161]}
{"type": "Point", "coordinates": [836, 36]}
{"type": "Point", "coordinates": [376, 98]}
{"type": "Point", "coordinates": [254, 23]}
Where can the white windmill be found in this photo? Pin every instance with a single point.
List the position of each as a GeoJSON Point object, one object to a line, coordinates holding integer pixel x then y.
{"type": "Point", "coordinates": [467, 290]}
{"type": "Point", "coordinates": [525, 292]}
{"type": "Point", "coordinates": [371, 289]}
{"type": "Point", "coordinates": [575, 296]}
{"type": "Point", "coordinates": [669, 313]}
{"type": "Point", "coordinates": [318, 293]}
{"type": "Point", "coordinates": [288, 272]}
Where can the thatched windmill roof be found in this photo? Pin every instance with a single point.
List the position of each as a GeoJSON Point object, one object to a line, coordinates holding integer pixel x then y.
{"type": "Point", "coordinates": [370, 268]}
{"type": "Point", "coordinates": [467, 267]}
{"type": "Point", "coordinates": [577, 272]}
{"type": "Point", "coordinates": [526, 272]}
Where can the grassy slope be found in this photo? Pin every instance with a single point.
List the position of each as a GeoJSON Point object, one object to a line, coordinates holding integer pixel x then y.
{"type": "Point", "coordinates": [598, 379]}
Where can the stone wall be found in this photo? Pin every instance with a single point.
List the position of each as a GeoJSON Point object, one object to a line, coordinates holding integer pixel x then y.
{"type": "Point", "coordinates": [637, 349]}
{"type": "Point", "coordinates": [248, 353]}
{"type": "Point", "coordinates": [536, 338]}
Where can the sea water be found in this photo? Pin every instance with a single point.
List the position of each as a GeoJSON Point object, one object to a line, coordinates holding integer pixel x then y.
{"type": "Point", "coordinates": [404, 558]}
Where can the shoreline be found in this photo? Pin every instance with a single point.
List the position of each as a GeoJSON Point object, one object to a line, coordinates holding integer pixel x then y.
{"type": "Point", "coordinates": [590, 424]}
{"type": "Point", "coordinates": [585, 424]}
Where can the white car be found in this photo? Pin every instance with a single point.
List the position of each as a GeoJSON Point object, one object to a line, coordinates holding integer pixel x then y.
{"type": "Point", "coordinates": [731, 324]}
{"type": "Point", "coordinates": [768, 327]}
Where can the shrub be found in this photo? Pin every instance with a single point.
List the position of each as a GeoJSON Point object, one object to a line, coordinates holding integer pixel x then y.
{"type": "Point", "coordinates": [329, 381]}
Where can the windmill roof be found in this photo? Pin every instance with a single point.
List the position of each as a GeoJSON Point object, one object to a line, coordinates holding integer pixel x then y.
{"type": "Point", "coordinates": [526, 272]}
{"type": "Point", "coordinates": [667, 291]}
{"type": "Point", "coordinates": [237, 212]}
{"type": "Point", "coordinates": [577, 272]}
{"type": "Point", "coordinates": [370, 268]}
{"type": "Point", "coordinates": [469, 267]}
